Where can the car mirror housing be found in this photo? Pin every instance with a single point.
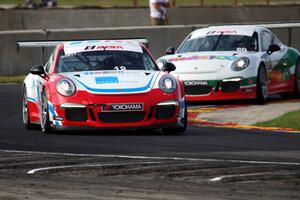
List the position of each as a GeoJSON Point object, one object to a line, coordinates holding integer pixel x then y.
{"type": "Point", "coordinates": [273, 48]}
{"type": "Point", "coordinates": [170, 51]}
{"type": "Point", "coordinates": [38, 70]}
{"type": "Point", "coordinates": [168, 67]}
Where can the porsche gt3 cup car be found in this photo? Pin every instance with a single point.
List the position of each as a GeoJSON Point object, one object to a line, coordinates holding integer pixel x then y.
{"type": "Point", "coordinates": [235, 62]}
{"type": "Point", "coordinates": [104, 84]}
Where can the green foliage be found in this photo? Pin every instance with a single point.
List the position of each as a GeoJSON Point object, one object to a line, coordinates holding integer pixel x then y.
{"type": "Point", "coordinates": [11, 79]}
{"type": "Point", "coordinates": [288, 120]}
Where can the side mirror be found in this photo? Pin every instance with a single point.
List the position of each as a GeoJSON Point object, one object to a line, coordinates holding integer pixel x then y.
{"type": "Point", "coordinates": [168, 67]}
{"type": "Point", "coordinates": [273, 48]}
{"type": "Point", "coordinates": [38, 70]}
{"type": "Point", "coordinates": [170, 51]}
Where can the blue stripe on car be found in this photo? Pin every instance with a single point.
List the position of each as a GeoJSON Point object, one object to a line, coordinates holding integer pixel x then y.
{"type": "Point", "coordinates": [123, 90]}
{"type": "Point", "coordinates": [52, 111]}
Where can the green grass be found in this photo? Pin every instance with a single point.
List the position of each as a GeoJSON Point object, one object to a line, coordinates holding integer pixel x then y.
{"type": "Point", "coordinates": [288, 120]}
{"type": "Point", "coordinates": [11, 79]}
{"type": "Point", "coordinates": [126, 3]}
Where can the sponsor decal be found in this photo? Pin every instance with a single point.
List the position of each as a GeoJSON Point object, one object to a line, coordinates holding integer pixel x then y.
{"type": "Point", "coordinates": [104, 47]}
{"type": "Point", "coordinates": [123, 107]}
{"type": "Point", "coordinates": [286, 74]}
{"type": "Point", "coordinates": [107, 80]}
{"type": "Point", "coordinates": [113, 72]}
{"type": "Point", "coordinates": [195, 83]}
{"type": "Point", "coordinates": [225, 32]}
{"type": "Point", "coordinates": [178, 59]}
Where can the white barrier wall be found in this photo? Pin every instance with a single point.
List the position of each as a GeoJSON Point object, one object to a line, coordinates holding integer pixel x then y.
{"type": "Point", "coordinates": [18, 61]}
{"type": "Point", "coordinates": [27, 19]}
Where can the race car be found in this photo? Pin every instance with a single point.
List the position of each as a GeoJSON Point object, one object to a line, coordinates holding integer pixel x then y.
{"type": "Point", "coordinates": [102, 84]}
{"type": "Point", "coordinates": [234, 62]}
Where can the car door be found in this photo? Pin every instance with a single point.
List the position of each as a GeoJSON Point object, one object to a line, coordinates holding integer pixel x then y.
{"type": "Point", "coordinates": [276, 64]}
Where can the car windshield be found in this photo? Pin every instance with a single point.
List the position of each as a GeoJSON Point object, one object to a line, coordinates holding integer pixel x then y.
{"type": "Point", "coordinates": [220, 43]}
{"type": "Point", "coordinates": [105, 60]}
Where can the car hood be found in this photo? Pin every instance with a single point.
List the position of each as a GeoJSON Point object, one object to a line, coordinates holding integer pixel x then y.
{"type": "Point", "coordinates": [114, 82]}
{"type": "Point", "coordinates": [202, 62]}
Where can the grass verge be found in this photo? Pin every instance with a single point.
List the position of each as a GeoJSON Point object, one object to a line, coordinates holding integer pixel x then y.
{"type": "Point", "coordinates": [11, 79]}
{"type": "Point", "coordinates": [288, 120]}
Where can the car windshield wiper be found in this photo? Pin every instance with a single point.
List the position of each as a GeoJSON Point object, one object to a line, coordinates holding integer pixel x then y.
{"type": "Point", "coordinates": [218, 40]}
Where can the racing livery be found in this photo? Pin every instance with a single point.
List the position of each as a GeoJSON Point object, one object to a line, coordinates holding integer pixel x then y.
{"type": "Point", "coordinates": [235, 62]}
{"type": "Point", "coordinates": [104, 84]}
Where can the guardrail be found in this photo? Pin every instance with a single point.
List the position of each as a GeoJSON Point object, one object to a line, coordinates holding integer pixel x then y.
{"type": "Point", "coordinates": [18, 61]}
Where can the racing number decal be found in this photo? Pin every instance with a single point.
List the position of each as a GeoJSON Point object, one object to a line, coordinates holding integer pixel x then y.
{"type": "Point", "coordinates": [120, 68]}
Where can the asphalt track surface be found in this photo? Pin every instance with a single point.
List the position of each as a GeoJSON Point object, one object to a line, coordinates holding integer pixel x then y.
{"type": "Point", "coordinates": [189, 165]}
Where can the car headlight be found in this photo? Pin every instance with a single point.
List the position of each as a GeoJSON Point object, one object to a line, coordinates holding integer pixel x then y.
{"type": "Point", "coordinates": [241, 64]}
{"type": "Point", "coordinates": [66, 87]}
{"type": "Point", "coordinates": [167, 84]}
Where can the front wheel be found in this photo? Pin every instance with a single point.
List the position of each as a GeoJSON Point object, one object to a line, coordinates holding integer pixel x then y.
{"type": "Point", "coordinates": [44, 116]}
{"type": "Point", "coordinates": [297, 80]}
{"type": "Point", "coordinates": [25, 111]}
{"type": "Point", "coordinates": [178, 130]}
{"type": "Point", "coordinates": [262, 85]}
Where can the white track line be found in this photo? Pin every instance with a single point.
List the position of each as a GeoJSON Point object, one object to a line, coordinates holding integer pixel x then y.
{"type": "Point", "coordinates": [152, 158]}
{"type": "Point", "coordinates": [220, 178]}
{"type": "Point", "coordinates": [33, 171]}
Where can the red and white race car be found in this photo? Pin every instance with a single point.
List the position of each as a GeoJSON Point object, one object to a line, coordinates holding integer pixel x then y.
{"type": "Point", "coordinates": [104, 84]}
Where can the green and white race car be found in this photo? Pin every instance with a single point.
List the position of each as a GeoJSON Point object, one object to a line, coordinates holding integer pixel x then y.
{"type": "Point", "coordinates": [235, 62]}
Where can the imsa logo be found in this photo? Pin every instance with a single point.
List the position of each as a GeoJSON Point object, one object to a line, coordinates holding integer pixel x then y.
{"type": "Point", "coordinates": [195, 83]}
{"type": "Point", "coordinates": [123, 107]}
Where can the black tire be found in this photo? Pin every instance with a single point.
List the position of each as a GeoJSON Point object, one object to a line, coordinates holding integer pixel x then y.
{"type": "Point", "coordinates": [25, 111]}
{"type": "Point", "coordinates": [297, 80]}
{"type": "Point", "coordinates": [44, 115]}
{"type": "Point", "coordinates": [178, 130]}
{"type": "Point", "coordinates": [262, 85]}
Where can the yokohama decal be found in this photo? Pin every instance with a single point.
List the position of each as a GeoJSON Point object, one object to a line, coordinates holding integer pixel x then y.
{"type": "Point", "coordinates": [123, 107]}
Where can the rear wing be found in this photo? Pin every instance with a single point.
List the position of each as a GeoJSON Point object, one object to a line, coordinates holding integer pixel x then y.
{"type": "Point", "coordinates": [54, 43]}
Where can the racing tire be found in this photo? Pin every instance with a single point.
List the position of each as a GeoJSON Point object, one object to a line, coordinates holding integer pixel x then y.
{"type": "Point", "coordinates": [44, 115]}
{"type": "Point", "coordinates": [177, 130]}
{"type": "Point", "coordinates": [262, 85]}
{"type": "Point", "coordinates": [297, 80]}
{"type": "Point", "coordinates": [25, 111]}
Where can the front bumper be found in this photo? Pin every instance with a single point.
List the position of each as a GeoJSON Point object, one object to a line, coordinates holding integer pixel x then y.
{"type": "Point", "coordinates": [226, 89]}
{"type": "Point", "coordinates": [86, 110]}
